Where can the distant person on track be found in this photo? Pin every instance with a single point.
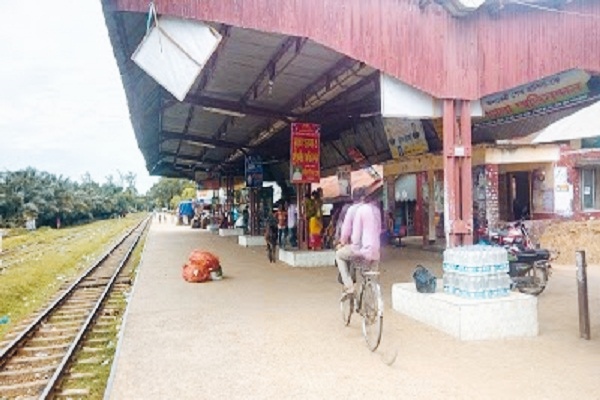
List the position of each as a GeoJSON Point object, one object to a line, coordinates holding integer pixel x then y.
{"type": "Point", "coordinates": [360, 237]}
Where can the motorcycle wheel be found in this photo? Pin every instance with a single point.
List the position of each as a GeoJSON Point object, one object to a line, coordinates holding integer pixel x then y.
{"type": "Point", "coordinates": [539, 277]}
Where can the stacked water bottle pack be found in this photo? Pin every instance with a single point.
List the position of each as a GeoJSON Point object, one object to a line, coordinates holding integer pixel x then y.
{"type": "Point", "coordinates": [476, 272]}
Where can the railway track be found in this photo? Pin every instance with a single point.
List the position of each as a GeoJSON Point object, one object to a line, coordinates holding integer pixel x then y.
{"type": "Point", "coordinates": [36, 360]}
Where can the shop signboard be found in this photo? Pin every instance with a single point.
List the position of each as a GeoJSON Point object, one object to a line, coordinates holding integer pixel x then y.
{"type": "Point", "coordinates": [359, 158]}
{"type": "Point", "coordinates": [210, 184]}
{"type": "Point", "coordinates": [344, 180]}
{"type": "Point", "coordinates": [405, 137]}
{"type": "Point", "coordinates": [305, 153]}
{"type": "Point", "coordinates": [254, 172]}
{"type": "Point", "coordinates": [541, 97]}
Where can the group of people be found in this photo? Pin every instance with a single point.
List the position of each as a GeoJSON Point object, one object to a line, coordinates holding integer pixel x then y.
{"type": "Point", "coordinates": [286, 218]}
{"type": "Point", "coordinates": [354, 231]}
{"type": "Point", "coordinates": [282, 229]}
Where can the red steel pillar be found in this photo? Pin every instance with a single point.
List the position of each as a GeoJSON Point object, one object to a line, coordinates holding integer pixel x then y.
{"type": "Point", "coordinates": [458, 181]}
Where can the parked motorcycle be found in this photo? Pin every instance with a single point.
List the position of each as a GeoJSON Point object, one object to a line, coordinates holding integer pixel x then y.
{"type": "Point", "coordinates": [529, 267]}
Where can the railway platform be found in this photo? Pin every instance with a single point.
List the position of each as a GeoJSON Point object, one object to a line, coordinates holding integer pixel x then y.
{"type": "Point", "coordinates": [270, 331]}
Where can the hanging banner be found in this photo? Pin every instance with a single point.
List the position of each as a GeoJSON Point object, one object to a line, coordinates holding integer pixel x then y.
{"type": "Point", "coordinates": [305, 153]}
{"type": "Point", "coordinates": [405, 137]}
{"type": "Point", "coordinates": [362, 161]}
{"type": "Point", "coordinates": [536, 98]}
{"type": "Point", "coordinates": [343, 175]}
{"type": "Point", "coordinates": [254, 171]}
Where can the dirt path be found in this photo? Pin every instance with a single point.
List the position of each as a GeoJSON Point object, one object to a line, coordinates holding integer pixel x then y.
{"type": "Point", "coordinates": [273, 332]}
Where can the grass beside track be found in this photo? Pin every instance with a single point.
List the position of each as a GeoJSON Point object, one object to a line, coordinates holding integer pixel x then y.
{"type": "Point", "coordinates": [36, 264]}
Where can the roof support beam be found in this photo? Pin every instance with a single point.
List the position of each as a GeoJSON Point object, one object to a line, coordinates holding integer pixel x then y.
{"type": "Point", "coordinates": [165, 135]}
{"type": "Point", "coordinates": [211, 65]}
{"type": "Point", "coordinates": [183, 157]}
{"type": "Point", "coordinates": [332, 79]}
{"type": "Point", "coordinates": [271, 71]}
{"type": "Point", "coordinates": [228, 107]}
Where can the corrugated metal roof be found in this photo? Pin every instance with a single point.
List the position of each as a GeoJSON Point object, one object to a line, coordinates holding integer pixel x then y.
{"type": "Point", "coordinates": [312, 80]}
{"type": "Point", "coordinates": [500, 46]}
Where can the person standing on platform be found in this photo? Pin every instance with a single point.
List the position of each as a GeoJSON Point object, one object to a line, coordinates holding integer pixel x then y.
{"type": "Point", "coordinates": [292, 223]}
{"type": "Point", "coordinates": [281, 216]}
{"type": "Point", "coordinates": [315, 223]}
{"type": "Point", "coordinates": [309, 212]}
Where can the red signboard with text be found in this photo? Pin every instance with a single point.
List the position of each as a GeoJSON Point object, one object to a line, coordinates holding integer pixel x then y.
{"type": "Point", "coordinates": [305, 146]}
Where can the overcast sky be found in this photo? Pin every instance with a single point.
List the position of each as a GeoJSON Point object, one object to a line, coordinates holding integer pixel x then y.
{"type": "Point", "coordinates": [62, 104]}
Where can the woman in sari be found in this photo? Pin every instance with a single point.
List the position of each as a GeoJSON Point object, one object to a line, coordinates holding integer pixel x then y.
{"type": "Point", "coordinates": [315, 222]}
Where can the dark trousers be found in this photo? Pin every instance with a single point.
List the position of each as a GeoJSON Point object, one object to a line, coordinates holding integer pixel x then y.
{"type": "Point", "coordinates": [281, 235]}
{"type": "Point", "coordinates": [293, 233]}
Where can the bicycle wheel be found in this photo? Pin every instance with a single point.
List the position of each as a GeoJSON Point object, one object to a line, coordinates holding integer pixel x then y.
{"type": "Point", "coordinates": [347, 307]}
{"type": "Point", "coordinates": [372, 305]}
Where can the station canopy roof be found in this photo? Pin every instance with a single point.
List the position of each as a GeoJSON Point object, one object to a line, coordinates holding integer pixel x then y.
{"type": "Point", "coordinates": [254, 85]}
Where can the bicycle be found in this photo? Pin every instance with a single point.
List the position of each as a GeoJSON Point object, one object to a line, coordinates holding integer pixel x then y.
{"type": "Point", "coordinates": [368, 302]}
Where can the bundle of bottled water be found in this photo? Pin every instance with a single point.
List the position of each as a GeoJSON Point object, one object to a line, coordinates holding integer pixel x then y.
{"type": "Point", "coordinates": [476, 272]}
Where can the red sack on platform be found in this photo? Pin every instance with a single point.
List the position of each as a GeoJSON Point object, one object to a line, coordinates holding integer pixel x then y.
{"type": "Point", "coordinates": [200, 265]}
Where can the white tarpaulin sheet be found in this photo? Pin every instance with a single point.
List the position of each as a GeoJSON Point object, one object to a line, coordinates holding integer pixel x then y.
{"type": "Point", "coordinates": [174, 52]}
{"type": "Point", "coordinates": [585, 123]}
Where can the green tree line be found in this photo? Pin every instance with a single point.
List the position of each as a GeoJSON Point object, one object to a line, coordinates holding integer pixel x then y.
{"type": "Point", "coordinates": [168, 192]}
{"type": "Point", "coordinates": [48, 198]}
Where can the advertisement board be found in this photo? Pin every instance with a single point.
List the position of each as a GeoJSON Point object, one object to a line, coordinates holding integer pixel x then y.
{"type": "Point", "coordinates": [254, 171]}
{"type": "Point", "coordinates": [405, 137]}
{"type": "Point", "coordinates": [305, 153]}
{"type": "Point", "coordinates": [536, 98]}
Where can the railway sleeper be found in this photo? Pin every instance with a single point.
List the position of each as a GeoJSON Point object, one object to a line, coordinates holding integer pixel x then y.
{"type": "Point", "coordinates": [81, 375]}
{"type": "Point", "coordinates": [75, 392]}
{"type": "Point", "coordinates": [44, 349]}
{"type": "Point", "coordinates": [105, 331]}
{"type": "Point", "coordinates": [67, 317]}
{"type": "Point", "coordinates": [45, 340]}
{"type": "Point", "coordinates": [98, 340]}
{"type": "Point", "coordinates": [90, 297]}
{"type": "Point", "coordinates": [53, 331]}
{"type": "Point", "coordinates": [22, 389]}
{"type": "Point", "coordinates": [64, 322]}
{"type": "Point", "coordinates": [90, 360]}
{"type": "Point", "coordinates": [13, 373]}
{"type": "Point", "coordinates": [40, 358]}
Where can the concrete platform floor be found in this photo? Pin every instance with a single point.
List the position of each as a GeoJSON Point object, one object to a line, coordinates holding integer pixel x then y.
{"type": "Point", "coordinates": [269, 331]}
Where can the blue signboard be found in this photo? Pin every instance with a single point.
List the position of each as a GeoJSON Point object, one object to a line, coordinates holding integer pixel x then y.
{"type": "Point", "coordinates": [254, 171]}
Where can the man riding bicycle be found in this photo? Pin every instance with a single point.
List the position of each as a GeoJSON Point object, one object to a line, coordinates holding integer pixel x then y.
{"type": "Point", "coordinates": [359, 238]}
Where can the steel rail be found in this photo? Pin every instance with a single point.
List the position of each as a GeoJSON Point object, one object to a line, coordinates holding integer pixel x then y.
{"type": "Point", "coordinates": [51, 385]}
{"type": "Point", "coordinates": [17, 341]}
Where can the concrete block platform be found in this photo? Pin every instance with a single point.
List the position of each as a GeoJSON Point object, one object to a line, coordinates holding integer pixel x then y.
{"type": "Point", "coordinates": [231, 232]}
{"type": "Point", "coordinates": [469, 319]}
{"type": "Point", "coordinates": [249, 240]}
{"type": "Point", "coordinates": [306, 258]}
{"type": "Point", "coordinates": [212, 229]}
